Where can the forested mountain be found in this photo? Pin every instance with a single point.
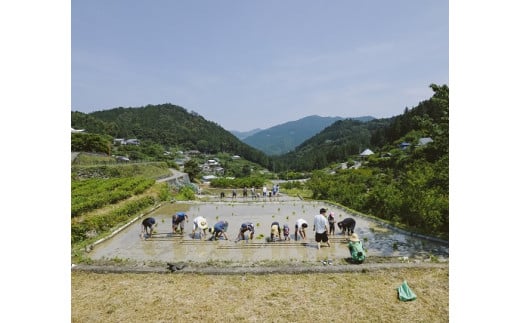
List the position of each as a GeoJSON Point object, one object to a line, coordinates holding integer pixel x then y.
{"type": "Point", "coordinates": [334, 144]}
{"type": "Point", "coordinates": [168, 125]}
{"type": "Point", "coordinates": [244, 134]}
{"type": "Point", "coordinates": [285, 137]}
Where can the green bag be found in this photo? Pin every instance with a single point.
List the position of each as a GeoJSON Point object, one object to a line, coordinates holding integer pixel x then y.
{"type": "Point", "coordinates": [405, 293]}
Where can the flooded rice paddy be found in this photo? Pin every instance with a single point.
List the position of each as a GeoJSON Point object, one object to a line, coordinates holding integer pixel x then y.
{"type": "Point", "coordinates": [378, 239]}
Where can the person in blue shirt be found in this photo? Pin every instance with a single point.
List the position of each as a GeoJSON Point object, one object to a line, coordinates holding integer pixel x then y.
{"type": "Point", "coordinates": [219, 230]}
{"type": "Point", "coordinates": [178, 220]}
{"type": "Point", "coordinates": [247, 226]}
{"type": "Point", "coordinates": [147, 227]}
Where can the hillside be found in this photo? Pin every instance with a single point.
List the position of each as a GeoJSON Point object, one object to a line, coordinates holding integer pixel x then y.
{"type": "Point", "coordinates": [285, 137]}
{"type": "Point", "coordinates": [346, 139]}
{"type": "Point", "coordinates": [168, 125]}
{"type": "Point", "coordinates": [335, 143]}
{"type": "Point", "coordinates": [405, 181]}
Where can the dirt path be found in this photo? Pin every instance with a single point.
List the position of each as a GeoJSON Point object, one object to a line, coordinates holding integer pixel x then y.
{"type": "Point", "coordinates": [371, 264]}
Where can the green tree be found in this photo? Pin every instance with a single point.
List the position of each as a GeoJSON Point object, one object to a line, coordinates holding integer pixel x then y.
{"type": "Point", "coordinates": [88, 142]}
{"type": "Point", "coordinates": [192, 169]}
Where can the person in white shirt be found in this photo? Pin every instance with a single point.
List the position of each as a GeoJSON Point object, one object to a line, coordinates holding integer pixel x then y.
{"type": "Point", "coordinates": [299, 228]}
{"type": "Point", "coordinates": [200, 223]}
{"type": "Point", "coordinates": [321, 228]}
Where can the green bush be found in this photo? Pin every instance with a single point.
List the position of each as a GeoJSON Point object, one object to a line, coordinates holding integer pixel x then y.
{"type": "Point", "coordinates": [165, 193]}
{"type": "Point", "coordinates": [102, 223]}
{"type": "Point", "coordinates": [186, 193]}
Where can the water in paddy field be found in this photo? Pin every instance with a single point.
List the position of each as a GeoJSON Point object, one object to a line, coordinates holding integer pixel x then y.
{"type": "Point", "coordinates": [164, 246]}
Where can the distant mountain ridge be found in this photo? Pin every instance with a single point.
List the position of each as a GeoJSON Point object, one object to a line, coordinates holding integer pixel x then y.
{"type": "Point", "coordinates": [285, 137]}
{"type": "Point", "coordinates": [244, 134]}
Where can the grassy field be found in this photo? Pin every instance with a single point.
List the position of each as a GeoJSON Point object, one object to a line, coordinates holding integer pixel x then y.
{"type": "Point", "coordinates": [325, 297]}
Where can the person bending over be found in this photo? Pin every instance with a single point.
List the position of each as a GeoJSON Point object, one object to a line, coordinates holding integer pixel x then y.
{"type": "Point", "coordinates": [247, 226]}
{"type": "Point", "coordinates": [299, 228]}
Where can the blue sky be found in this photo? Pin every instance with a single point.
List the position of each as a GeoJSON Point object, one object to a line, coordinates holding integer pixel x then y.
{"type": "Point", "coordinates": [256, 64]}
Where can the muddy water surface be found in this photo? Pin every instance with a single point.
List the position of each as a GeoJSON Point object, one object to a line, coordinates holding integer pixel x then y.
{"type": "Point", "coordinates": [165, 246]}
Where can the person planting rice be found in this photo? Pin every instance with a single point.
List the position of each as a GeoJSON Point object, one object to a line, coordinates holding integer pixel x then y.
{"type": "Point", "coordinates": [347, 226]}
{"type": "Point", "coordinates": [246, 226]}
{"type": "Point", "coordinates": [201, 224]}
{"type": "Point", "coordinates": [219, 230]}
{"type": "Point", "coordinates": [276, 231]}
{"type": "Point", "coordinates": [178, 220]}
{"type": "Point", "coordinates": [299, 228]}
{"type": "Point", "coordinates": [147, 227]}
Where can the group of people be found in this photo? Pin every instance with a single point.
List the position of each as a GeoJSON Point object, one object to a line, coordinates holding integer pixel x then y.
{"type": "Point", "coordinates": [347, 226]}
{"type": "Point", "coordinates": [265, 193]}
{"type": "Point", "coordinates": [323, 226]}
{"type": "Point", "coordinates": [271, 193]}
{"type": "Point", "coordinates": [200, 225]}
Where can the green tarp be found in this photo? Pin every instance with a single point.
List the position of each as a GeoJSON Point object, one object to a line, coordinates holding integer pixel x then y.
{"type": "Point", "coordinates": [405, 293]}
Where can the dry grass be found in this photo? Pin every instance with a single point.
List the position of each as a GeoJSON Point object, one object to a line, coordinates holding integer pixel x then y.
{"type": "Point", "coordinates": [344, 297]}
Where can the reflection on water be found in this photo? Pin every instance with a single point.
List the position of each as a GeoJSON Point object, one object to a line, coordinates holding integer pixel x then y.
{"type": "Point", "coordinates": [379, 240]}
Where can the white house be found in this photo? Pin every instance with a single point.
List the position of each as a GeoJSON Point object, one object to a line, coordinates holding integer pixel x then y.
{"type": "Point", "coordinates": [424, 141]}
{"type": "Point", "coordinates": [366, 152]}
{"type": "Point", "coordinates": [133, 142]}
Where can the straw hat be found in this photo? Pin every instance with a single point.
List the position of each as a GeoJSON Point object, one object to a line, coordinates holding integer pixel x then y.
{"type": "Point", "coordinates": [203, 224]}
{"type": "Point", "coordinates": [354, 238]}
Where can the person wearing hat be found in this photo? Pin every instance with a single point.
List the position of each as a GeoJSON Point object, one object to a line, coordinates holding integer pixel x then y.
{"type": "Point", "coordinates": [356, 249]}
{"type": "Point", "coordinates": [219, 230]}
{"type": "Point", "coordinates": [299, 228]}
{"type": "Point", "coordinates": [147, 227]}
{"type": "Point", "coordinates": [200, 223]}
{"type": "Point", "coordinates": [347, 225]}
{"type": "Point", "coordinates": [320, 227]}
